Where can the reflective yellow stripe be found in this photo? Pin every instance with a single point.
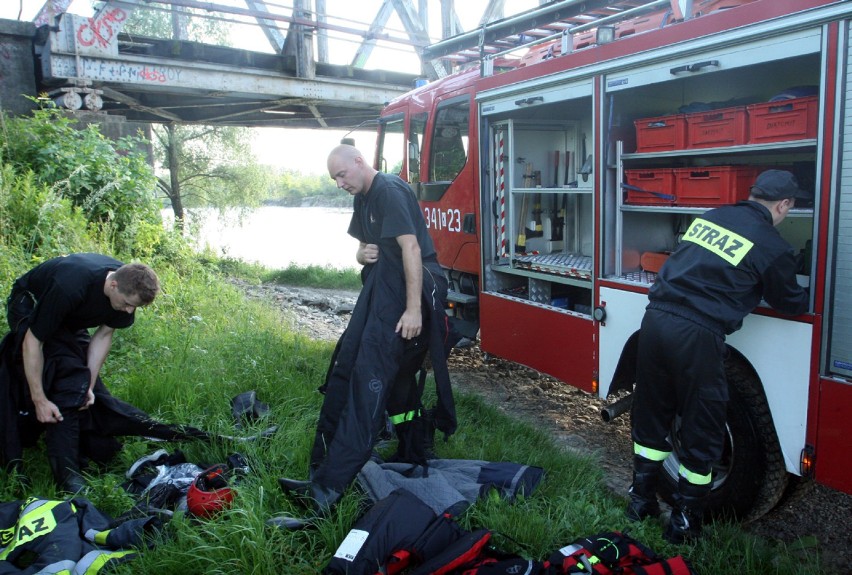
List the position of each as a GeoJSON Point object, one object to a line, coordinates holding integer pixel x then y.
{"type": "Point", "coordinates": [101, 536]}
{"type": "Point", "coordinates": [32, 524]}
{"type": "Point", "coordinates": [7, 536]}
{"type": "Point", "coordinates": [97, 560]}
{"type": "Point", "coordinates": [648, 453]}
{"type": "Point", "coordinates": [724, 243]}
{"type": "Point", "coordinates": [694, 478]}
{"type": "Point", "coordinates": [403, 417]}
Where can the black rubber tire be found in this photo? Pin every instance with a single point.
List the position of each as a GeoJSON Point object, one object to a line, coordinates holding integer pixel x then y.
{"type": "Point", "coordinates": [751, 477]}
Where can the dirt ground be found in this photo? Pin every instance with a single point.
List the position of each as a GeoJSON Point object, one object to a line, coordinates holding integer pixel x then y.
{"type": "Point", "coordinates": [812, 517]}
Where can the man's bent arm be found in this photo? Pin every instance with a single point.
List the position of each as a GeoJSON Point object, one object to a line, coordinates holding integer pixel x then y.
{"type": "Point", "coordinates": [33, 352]}
{"type": "Point", "coordinates": [411, 322]}
{"type": "Point", "coordinates": [99, 348]}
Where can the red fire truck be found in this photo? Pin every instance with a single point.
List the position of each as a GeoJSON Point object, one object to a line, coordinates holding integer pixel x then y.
{"type": "Point", "coordinates": [555, 185]}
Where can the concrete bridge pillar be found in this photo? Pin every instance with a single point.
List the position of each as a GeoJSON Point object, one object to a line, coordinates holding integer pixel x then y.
{"type": "Point", "coordinates": [17, 66]}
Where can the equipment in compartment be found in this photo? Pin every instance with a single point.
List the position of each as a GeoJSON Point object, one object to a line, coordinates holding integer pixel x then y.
{"type": "Point", "coordinates": [716, 128]}
{"type": "Point", "coordinates": [570, 265]}
{"type": "Point", "coordinates": [783, 120]}
{"type": "Point", "coordinates": [697, 186]}
{"type": "Point", "coordinates": [650, 187]}
{"type": "Point", "coordinates": [661, 134]}
{"type": "Point", "coordinates": [653, 261]}
{"type": "Point", "coordinates": [521, 292]}
{"type": "Point", "coordinates": [641, 277]}
{"type": "Point", "coordinates": [774, 121]}
{"type": "Point", "coordinates": [713, 185]}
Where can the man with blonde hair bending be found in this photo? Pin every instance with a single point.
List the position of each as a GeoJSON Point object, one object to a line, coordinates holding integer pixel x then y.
{"type": "Point", "coordinates": [50, 365]}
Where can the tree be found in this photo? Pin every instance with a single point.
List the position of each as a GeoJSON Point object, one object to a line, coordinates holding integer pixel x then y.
{"type": "Point", "coordinates": [293, 188]}
{"type": "Point", "coordinates": [208, 166]}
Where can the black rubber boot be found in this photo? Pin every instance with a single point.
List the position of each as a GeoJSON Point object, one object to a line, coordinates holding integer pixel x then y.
{"type": "Point", "coordinates": [643, 492]}
{"type": "Point", "coordinates": [688, 512]}
{"type": "Point", "coordinates": [66, 474]}
{"type": "Point", "coordinates": [324, 498]}
{"type": "Point", "coordinates": [319, 499]}
{"type": "Point", "coordinates": [295, 488]}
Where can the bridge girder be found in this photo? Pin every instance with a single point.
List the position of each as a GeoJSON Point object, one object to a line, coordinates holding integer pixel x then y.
{"type": "Point", "coordinates": [149, 79]}
{"type": "Point", "coordinates": [157, 80]}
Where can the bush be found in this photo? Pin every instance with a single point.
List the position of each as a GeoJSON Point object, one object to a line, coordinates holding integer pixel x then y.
{"type": "Point", "coordinates": [36, 222]}
{"type": "Point", "coordinates": [109, 182]}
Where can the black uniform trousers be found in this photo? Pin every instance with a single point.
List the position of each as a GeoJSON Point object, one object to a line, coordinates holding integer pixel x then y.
{"type": "Point", "coordinates": [680, 371]}
{"type": "Point", "coordinates": [373, 371]}
{"type": "Point", "coordinates": [89, 433]}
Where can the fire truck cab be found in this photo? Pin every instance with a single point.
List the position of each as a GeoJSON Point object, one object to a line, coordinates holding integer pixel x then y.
{"type": "Point", "coordinates": [554, 187]}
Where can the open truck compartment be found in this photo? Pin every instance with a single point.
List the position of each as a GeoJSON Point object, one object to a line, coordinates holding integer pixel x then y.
{"type": "Point", "coordinates": [585, 162]}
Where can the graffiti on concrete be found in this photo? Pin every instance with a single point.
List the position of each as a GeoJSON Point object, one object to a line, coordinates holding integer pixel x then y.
{"type": "Point", "coordinates": [100, 30]}
{"type": "Point", "coordinates": [109, 71]}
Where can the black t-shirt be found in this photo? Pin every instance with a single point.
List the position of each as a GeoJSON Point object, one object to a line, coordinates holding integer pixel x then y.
{"type": "Point", "coordinates": [389, 210]}
{"type": "Point", "coordinates": [69, 294]}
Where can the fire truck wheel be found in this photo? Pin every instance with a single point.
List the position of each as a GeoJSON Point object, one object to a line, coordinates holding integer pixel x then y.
{"type": "Point", "coordinates": [751, 477]}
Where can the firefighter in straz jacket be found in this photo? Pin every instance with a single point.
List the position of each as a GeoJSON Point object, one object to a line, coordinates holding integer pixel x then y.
{"type": "Point", "coordinates": [50, 365]}
{"type": "Point", "coordinates": [728, 260]}
{"type": "Point", "coordinates": [399, 315]}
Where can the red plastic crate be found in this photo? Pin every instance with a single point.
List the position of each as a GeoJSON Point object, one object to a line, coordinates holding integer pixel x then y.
{"type": "Point", "coordinates": [713, 185]}
{"type": "Point", "coordinates": [660, 134]}
{"type": "Point", "coordinates": [657, 180]}
{"type": "Point", "coordinates": [784, 120]}
{"type": "Point", "coordinates": [717, 128]}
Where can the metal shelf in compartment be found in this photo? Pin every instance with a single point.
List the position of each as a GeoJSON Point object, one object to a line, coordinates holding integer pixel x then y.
{"type": "Point", "coordinates": [567, 265]}
{"type": "Point", "coordinates": [638, 277]}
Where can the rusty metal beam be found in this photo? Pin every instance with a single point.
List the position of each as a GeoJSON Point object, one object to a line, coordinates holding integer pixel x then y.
{"type": "Point", "coordinates": [49, 11]}
{"type": "Point", "coordinates": [492, 12]}
{"type": "Point", "coordinates": [134, 104]}
{"type": "Point", "coordinates": [213, 7]}
{"type": "Point", "coordinates": [418, 35]}
{"type": "Point", "coordinates": [299, 41]}
{"type": "Point", "coordinates": [267, 26]}
{"type": "Point", "coordinates": [366, 47]}
{"type": "Point", "coordinates": [322, 33]}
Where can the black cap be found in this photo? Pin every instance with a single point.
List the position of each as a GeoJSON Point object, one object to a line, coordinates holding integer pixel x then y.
{"type": "Point", "coordinates": [774, 185]}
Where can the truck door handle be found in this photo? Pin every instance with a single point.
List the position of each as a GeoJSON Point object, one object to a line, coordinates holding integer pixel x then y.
{"type": "Point", "coordinates": [697, 67]}
{"type": "Point", "coordinates": [529, 101]}
{"type": "Point", "coordinates": [469, 224]}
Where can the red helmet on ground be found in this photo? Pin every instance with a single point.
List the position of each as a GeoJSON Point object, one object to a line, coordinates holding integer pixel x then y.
{"type": "Point", "coordinates": [209, 493]}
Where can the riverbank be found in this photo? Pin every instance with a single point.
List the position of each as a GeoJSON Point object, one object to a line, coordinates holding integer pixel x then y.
{"type": "Point", "coordinates": [341, 201]}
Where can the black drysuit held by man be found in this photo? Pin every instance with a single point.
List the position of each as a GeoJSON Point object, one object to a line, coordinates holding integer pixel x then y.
{"type": "Point", "coordinates": [399, 316]}
{"type": "Point", "coordinates": [50, 364]}
{"type": "Point", "coordinates": [728, 260]}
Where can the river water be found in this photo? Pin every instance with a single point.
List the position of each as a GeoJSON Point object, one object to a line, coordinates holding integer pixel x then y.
{"type": "Point", "coordinates": [276, 236]}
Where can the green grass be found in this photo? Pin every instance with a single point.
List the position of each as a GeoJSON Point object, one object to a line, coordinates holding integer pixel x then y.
{"type": "Point", "coordinates": [316, 276]}
{"type": "Point", "coordinates": [201, 343]}
{"type": "Point", "coordinates": [327, 277]}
